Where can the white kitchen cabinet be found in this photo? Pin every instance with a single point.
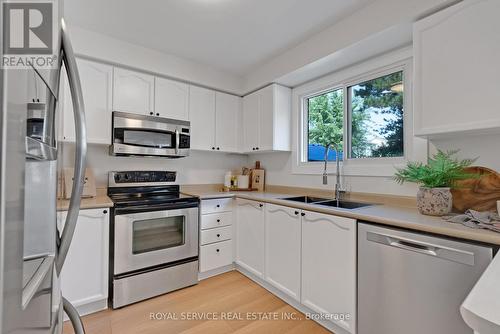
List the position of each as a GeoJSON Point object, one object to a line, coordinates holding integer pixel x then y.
{"type": "Point", "coordinates": [456, 54]}
{"type": "Point", "coordinates": [216, 234]}
{"type": "Point", "coordinates": [97, 88]}
{"type": "Point", "coordinates": [267, 120]}
{"type": "Point", "coordinates": [329, 266]}
{"type": "Point", "coordinates": [282, 249]}
{"type": "Point", "coordinates": [250, 236]}
{"type": "Point", "coordinates": [133, 92]}
{"type": "Point", "coordinates": [171, 99]}
{"type": "Point", "coordinates": [202, 117]}
{"type": "Point", "coordinates": [84, 277]}
{"type": "Point", "coordinates": [227, 122]}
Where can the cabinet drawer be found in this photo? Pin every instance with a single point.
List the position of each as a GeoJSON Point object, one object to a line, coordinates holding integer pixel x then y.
{"type": "Point", "coordinates": [216, 255]}
{"type": "Point", "coordinates": [216, 205]}
{"type": "Point", "coordinates": [216, 220]}
{"type": "Point", "coordinates": [216, 235]}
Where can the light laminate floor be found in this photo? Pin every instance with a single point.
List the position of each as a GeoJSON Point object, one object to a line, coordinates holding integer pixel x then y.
{"type": "Point", "coordinates": [231, 298]}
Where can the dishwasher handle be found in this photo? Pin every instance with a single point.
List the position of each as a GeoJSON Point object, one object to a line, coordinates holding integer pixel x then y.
{"type": "Point", "coordinates": [443, 252]}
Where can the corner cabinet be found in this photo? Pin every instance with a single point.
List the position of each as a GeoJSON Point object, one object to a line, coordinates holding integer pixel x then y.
{"type": "Point", "coordinates": [133, 91]}
{"type": "Point", "coordinates": [97, 87]}
{"type": "Point", "coordinates": [456, 66]}
{"type": "Point", "coordinates": [267, 120]}
{"type": "Point", "coordinates": [329, 266]}
{"type": "Point", "coordinates": [282, 248]}
{"type": "Point", "coordinates": [84, 276]}
{"type": "Point", "coordinates": [250, 236]}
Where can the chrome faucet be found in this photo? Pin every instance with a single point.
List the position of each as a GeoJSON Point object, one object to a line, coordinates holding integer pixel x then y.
{"type": "Point", "coordinates": [338, 187]}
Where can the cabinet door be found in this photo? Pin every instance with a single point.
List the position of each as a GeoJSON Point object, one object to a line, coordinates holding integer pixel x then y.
{"type": "Point", "coordinates": [227, 116]}
{"type": "Point", "coordinates": [266, 119]}
{"type": "Point", "coordinates": [96, 80]}
{"type": "Point", "coordinates": [329, 266]}
{"type": "Point", "coordinates": [251, 124]}
{"type": "Point", "coordinates": [250, 236]}
{"type": "Point", "coordinates": [283, 249]}
{"type": "Point", "coordinates": [84, 277]}
{"type": "Point", "coordinates": [456, 53]}
{"type": "Point", "coordinates": [171, 99]}
{"type": "Point", "coordinates": [133, 92]}
{"type": "Point", "coordinates": [202, 116]}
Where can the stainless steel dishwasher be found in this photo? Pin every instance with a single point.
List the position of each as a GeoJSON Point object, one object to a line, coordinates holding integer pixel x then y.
{"type": "Point", "coordinates": [413, 283]}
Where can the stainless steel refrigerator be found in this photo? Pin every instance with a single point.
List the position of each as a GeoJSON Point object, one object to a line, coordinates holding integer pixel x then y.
{"type": "Point", "coordinates": [32, 250]}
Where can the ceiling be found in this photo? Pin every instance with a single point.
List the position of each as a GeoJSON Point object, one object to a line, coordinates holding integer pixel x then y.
{"type": "Point", "coordinates": [231, 35]}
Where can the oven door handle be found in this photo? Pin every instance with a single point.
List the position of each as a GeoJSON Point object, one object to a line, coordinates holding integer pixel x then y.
{"type": "Point", "coordinates": [157, 214]}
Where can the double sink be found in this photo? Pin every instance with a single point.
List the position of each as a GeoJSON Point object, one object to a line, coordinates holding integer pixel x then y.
{"type": "Point", "coordinates": [327, 202]}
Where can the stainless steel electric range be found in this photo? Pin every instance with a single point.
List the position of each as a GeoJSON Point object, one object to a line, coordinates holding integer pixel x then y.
{"type": "Point", "coordinates": [154, 236]}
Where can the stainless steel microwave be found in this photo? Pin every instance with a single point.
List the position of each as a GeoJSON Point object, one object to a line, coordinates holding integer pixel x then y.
{"type": "Point", "coordinates": [142, 135]}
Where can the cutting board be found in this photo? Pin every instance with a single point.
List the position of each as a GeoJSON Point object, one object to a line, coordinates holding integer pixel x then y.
{"type": "Point", "coordinates": [479, 194]}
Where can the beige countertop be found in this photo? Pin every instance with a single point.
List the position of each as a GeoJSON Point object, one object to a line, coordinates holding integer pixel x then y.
{"type": "Point", "coordinates": [100, 201]}
{"type": "Point", "coordinates": [392, 210]}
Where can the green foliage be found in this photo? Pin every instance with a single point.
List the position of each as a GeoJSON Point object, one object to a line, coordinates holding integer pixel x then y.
{"type": "Point", "coordinates": [442, 170]}
{"type": "Point", "coordinates": [326, 119]}
{"type": "Point", "coordinates": [376, 96]}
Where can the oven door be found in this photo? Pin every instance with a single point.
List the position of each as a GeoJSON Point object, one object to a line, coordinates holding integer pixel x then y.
{"type": "Point", "coordinates": [148, 239]}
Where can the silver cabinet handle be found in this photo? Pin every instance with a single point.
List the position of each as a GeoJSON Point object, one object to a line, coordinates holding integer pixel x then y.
{"type": "Point", "coordinates": [81, 148]}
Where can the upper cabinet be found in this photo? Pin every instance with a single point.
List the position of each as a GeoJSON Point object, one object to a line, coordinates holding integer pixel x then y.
{"type": "Point", "coordinates": [202, 116]}
{"type": "Point", "coordinates": [227, 122]}
{"type": "Point", "coordinates": [97, 84]}
{"type": "Point", "coordinates": [171, 99]}
{"type": "Point", "coordinates": [267, 120]}
{"type": "Point", "coordinates": [133, 92]}
{"type": "Point", "coordinates": [457, 70]}
{"type": "Point", "coordinates": [215, 120]}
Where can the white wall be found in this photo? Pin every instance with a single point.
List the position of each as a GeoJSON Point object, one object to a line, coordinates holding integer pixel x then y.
{"type": "Point", "coordinates": [199, 168]}
{"type": "Point", "coordinates": [379, 16]}
{"type": "Point", "coordinates": [101, 47]}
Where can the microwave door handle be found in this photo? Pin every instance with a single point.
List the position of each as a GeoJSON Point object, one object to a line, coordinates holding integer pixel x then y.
{"type": "Point", "coordinates": [177, 138]}
{"type": "Point", "coordinates": [81, 148]}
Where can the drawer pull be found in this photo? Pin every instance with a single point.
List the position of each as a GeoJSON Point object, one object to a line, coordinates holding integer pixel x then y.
{"type": "Point", "coordinates": [217, 206]}
{"type": "Point", "coordinates": [105, 211]}
{"type": "Point", "coordinates": [302, 214]}
{"type": "Point", "coordinates": [296, 212]}
{"type": "Point", "coordinates": [261, 205]}
{"type": "Point", "coordinates": [218, 250]}
{"type": "Point", "coordinates": [218, 220]}
{"type": "Point", "coordinates": [218, 235]}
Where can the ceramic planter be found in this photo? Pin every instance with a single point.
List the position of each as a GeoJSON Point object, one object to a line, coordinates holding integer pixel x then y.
{"type": "Point", "coordinates": [434, 201]}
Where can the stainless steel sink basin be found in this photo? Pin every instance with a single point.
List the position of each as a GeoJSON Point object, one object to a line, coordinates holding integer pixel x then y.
{"type": "Point", "coordinates": [327, 202]}
{"type": "Point", "coordinates": [305, 199]}
{"type": "Point", "coordinates": [343, 204]}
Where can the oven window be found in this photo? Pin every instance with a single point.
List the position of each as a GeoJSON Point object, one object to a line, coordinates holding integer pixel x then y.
{"type": "Point", "coordinates": [159, 233]}
{"type": "Point", "coordinates": [148, 138]}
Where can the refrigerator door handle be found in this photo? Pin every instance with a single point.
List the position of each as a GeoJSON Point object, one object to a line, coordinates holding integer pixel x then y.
{"type": "Point", "coordinates": [81, 148]}
{"type": "Point", "coordinates": [73, 316]}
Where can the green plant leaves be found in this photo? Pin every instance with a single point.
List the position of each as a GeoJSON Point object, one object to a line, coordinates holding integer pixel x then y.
{"type": "Point", "coordinates": [442, 170]}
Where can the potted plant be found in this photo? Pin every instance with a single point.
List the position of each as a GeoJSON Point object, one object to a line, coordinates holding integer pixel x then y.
{"type": "Point", "coordinates": [436, 178]}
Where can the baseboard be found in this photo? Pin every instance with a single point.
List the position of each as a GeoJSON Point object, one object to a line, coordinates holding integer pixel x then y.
{"type": "Point", "coordinates": [290, 301]}
{"type": "Point", "coordinates": [89, 308]}
{"type": "Point", "coordinates": [215, 272]}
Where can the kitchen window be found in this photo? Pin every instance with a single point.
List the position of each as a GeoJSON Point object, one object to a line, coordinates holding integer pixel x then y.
{"type": "Point", "coordinates": [368, 125]}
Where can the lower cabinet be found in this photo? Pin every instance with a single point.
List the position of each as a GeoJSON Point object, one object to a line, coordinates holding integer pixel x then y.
{"type": "Point", "coordinates": [282, 249]}
{"type": "Point", "coordinates": [84, 276]}
{"type": "Point", "coordinates": [216, 234]}
{"type": "Point", "coordinates": [329, 266]}
{"type": "Point", "coordinates": [250, 236]}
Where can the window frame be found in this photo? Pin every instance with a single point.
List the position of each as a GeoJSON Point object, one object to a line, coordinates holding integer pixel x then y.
{"type": "Point", "coordinates": [414, 148]}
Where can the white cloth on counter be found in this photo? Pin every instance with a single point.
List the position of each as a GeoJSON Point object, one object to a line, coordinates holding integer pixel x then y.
{"type": "Point", "coordinates": [476, 219]}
